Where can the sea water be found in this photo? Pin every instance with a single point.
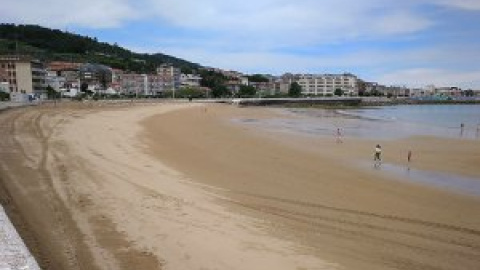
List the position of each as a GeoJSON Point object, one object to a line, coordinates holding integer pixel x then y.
{"type": "Point", "coordinates": [385, 122]}
{"type": "Point", "coordinates": [460, 121]}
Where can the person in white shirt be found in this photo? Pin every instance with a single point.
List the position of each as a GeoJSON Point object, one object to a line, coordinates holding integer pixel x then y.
{"type": "Point", "coordinates": [378, 153]}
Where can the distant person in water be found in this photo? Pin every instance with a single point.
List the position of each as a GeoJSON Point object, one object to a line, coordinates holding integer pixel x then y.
{"type": "Point", "coordinates": [378, 153]}
{"type": "Point", "coordinates": [339, 136]}
{"type": "Point", "coordinates": [462, 126]}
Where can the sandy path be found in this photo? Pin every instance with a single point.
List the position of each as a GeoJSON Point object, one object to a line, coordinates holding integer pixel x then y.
{"type": "Point", "coordinates": [309, 191]}
{"type": "Point", "coordinates": [84, 194]}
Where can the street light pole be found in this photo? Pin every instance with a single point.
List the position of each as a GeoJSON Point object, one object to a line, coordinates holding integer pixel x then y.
{"type": "Point", "coordinates": [173, 85]}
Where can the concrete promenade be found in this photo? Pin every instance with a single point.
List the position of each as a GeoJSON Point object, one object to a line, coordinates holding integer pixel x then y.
{"type": "Point", "coordinates": [14, 255]}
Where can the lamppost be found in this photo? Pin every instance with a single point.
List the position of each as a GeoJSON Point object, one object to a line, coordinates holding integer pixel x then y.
{"type": "Point", "coordinates": [173, 86]}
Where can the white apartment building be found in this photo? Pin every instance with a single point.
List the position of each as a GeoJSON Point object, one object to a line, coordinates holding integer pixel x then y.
{"type": "Point", "coordinates": [170, 73]}
{"type": "Point", "coordinates": [134, 84]}
{"type": "Point", "coordinates": [191, 80]}
{"type": "Point", "coordinates": [143, 84]}
{"type": "Point", "coordinates": [325, 84]}
{"type": "Point", "coordinates": [54, 81]}
{"type": "Point", "coordinates": [157, 84]}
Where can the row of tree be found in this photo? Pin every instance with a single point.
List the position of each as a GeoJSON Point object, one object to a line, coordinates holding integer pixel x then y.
{"type": "Point", "coordinates": [52, 44]}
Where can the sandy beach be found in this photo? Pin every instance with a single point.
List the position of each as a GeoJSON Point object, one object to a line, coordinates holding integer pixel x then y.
{"type": "Point", "coordinates": [181, 186]}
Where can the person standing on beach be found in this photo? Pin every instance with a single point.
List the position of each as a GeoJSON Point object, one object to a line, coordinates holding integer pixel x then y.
{"type": "Point", "coordinates": [378, 154]}
{"type": "Point", "coordinates": [409, 156]}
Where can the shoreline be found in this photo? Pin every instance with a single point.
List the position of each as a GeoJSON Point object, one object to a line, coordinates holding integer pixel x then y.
{"type": "Point", "coordinates": [179, 186]}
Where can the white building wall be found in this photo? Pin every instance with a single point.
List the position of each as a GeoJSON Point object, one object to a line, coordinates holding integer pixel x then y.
{"type": "Point", "coordinates": [325, 84]}
{"type": "Point", "coordinates": [190, 80]}
{"type": "Point", "coordinates": [24, 77]}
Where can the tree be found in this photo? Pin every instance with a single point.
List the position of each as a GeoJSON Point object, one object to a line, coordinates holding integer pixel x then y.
{"type": "Point", "coordinates": [295, 90]}
{"type": "Point", "coordinates": [212, 79]}
{"type": "Point", "coordinates": [84, 87]}
{"type": "Point", "coordinates": [51, 93]}
{"type": "Point", "coordinates": [4, 96]}
{"type": "Point", "coordinates": [247, 91]}
{"type": "Point", "coordinates": [220, 91]}
{"type": "Point", "coordinates": [257, 78]}
{"type": "Point", "coordinates": [189, 92]}
{"type": "Point", "coordinates": [338, 92]}
{"type": "Point", "coordinates": [187, 70]}
{"type": "Point", "coordinates": [50, 44]}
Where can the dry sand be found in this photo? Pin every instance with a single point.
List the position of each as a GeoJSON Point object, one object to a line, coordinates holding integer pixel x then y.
{"type": "Point", "coordinates": [178, 186]}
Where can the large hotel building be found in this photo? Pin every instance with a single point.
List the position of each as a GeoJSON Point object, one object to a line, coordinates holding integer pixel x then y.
{"type": "Point", "coordinates": [326, 84]}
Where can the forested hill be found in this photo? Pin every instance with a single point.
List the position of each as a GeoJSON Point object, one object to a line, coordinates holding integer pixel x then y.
{"type": "Point", "coordinates": [51, 44]}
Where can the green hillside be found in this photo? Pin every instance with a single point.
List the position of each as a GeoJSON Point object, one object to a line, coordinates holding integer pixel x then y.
{"type": "Point", "coordinates": [51, 44]}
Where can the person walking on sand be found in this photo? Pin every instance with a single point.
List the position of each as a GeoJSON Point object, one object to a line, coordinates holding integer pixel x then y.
{"type": "Point", "coordinates": [409, 156]}
{"type": "Point", "coordinates": [339, 136]}
{"type": "Point", "coordinates": [378, 155]}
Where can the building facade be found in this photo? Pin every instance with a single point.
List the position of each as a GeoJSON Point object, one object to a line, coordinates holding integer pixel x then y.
{"type": "Point", "coordinates": [190, 80]}
{"type": "Point", "coordinates": [55, 81]}
{"type": "Point", "coordinates": [170, 74]}
{"type": "Point", "coordinates": [95, 75]}
{"type": "Point", "coordinates": [326, 84]}
{"type": "Point", "coordinates": [157, 84]}
{"type": "Point", "coordinates": [23, 74]}
{"type": "Point", "coordinates": [134, 84]}
{"type": "Point", "coordinates": [62, 65]}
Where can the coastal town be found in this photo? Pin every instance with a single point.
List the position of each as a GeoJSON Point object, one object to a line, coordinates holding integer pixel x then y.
{"type": "Point", "coordinates": [24, 78]}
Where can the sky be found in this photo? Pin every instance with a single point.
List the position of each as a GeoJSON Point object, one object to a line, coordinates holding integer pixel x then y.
{"type": "Point", "coordinates": [409, 42]}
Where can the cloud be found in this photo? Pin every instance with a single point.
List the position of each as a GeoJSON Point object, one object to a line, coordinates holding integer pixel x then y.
{"type": "Point", "coordinates": [419, 77]}
{"type": "Point", "coordinates": [472, 5]}
{"type": "Point", "coordinates": [451, 56]}
{"type": "Point", "coordinates": [272, 23]}
{"type": "Point", "coordinates": [63, 13]}
{"type": "Point", "coordinates": [292, 23]}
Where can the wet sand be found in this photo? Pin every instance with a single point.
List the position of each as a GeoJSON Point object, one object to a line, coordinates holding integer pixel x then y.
{"type": "Point", "coordinates": [178, 186]}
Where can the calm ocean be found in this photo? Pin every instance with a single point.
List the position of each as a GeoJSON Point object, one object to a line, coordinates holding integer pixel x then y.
{"type": "Point", "coordinates": [386, 122]}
